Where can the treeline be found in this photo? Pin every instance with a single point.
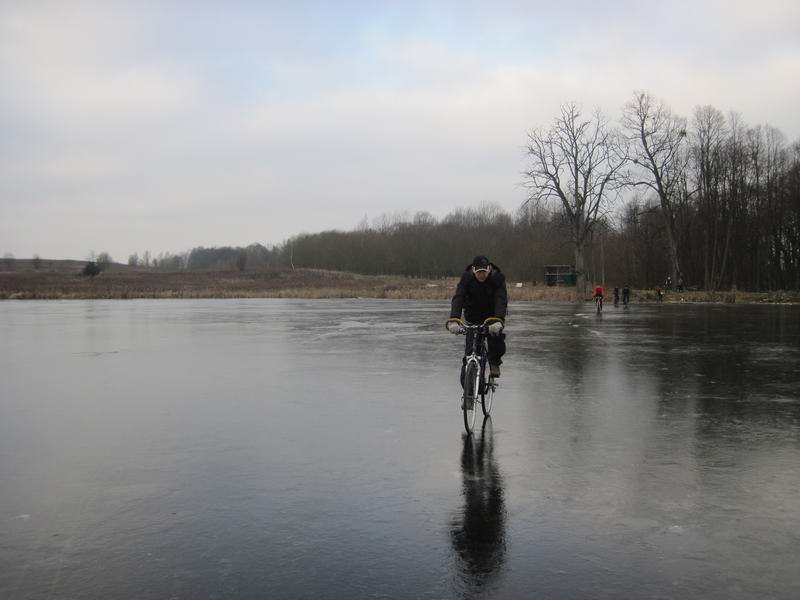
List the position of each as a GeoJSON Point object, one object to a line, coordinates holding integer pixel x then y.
{"type": "Point", "coordinates": [421, 246]}
{"type": "Point", "coordinates": [629, 249]}
{"type": "Point", "coordinates": [394, 244]}
{"type": "Point", "coordinates": [721, 209]}
{"type": "Point", "coordinates": [222, 258]}
{"type": "Point", "coordinates": [727, 195]}
{"type": "Point", "coordinates": [738, 211]}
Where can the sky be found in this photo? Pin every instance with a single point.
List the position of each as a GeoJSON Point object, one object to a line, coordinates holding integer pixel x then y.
{"type": "Point", "coordinates": [161, 126]}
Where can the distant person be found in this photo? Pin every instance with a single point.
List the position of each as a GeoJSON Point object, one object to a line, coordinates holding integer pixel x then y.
{"type": "Point", "coordinates": [659, 294]}
{"type": "Point", "coordinates": [680, 284]}
{"type": "Point", "coordinates": [616, 296]}
{"type": "Point", "coordinates": [626, 295]}
{"type": "Point", "coordinates": [481, 294]}
{"type": "Point", "coordinates": [598, 297]}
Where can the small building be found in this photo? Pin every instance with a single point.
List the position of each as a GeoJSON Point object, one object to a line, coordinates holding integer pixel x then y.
{"type": "Point", "coordinates": [560, 275]}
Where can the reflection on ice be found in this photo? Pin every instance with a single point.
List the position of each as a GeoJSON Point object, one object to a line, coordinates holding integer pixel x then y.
{"type": "Point", "coordinates": [478, 531]}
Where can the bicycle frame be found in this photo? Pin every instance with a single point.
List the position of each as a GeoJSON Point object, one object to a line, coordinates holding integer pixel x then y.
{"type": "Point", "coordinates": [479, 353]}
{"type": "Point", "coordinates": [479, 344]}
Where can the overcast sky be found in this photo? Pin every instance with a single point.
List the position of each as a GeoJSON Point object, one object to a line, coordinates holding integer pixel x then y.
{"type": "Point", "coordinates": [160, 126]}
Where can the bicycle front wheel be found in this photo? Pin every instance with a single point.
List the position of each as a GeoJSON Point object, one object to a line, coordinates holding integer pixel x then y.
{"type": "Point", "coordinates": [472, 382]}
{"type": "Point", "coordinates": [487, 397]}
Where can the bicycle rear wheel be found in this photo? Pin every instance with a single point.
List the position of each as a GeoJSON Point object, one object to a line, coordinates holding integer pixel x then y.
{"type": "Point", "coordinates": [471, 393]}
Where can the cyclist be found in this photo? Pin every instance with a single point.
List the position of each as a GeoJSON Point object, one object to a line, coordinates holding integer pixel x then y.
{"type": "Point", "coordinates": [598, 293]}
{"type": "Point", "coordinates": [481, 294]}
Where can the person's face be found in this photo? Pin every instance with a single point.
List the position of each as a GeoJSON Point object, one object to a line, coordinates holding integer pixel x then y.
{"type": "Point", "coordinates": [482, 274]}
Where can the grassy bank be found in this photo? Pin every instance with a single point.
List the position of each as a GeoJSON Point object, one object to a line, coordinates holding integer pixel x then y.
{"type": "Point", "coordinates": [300, 283]}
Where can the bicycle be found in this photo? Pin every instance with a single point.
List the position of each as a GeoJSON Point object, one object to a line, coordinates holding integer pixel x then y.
{"type": "Point", "coordinates": [476, 383]}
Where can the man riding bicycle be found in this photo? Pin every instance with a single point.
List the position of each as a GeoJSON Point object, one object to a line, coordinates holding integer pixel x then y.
{"type": "Point", "coordinates": [481, 294]}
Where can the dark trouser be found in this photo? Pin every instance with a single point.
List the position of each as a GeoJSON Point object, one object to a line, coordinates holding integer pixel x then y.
{"type": "Point", "coordinates": [497, 347]}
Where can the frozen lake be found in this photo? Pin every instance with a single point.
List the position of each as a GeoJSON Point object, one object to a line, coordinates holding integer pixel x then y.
{"type": "Point", "coordinates": [315, 449]}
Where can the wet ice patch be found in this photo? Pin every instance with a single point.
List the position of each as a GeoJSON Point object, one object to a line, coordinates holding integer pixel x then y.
{"type": "Point", "coordinates": [773, 399]}
{"type": "Point", "coordinates": [342, 325]}
{"type": "Point", "coordinates": [674, 529]}
{"type": "Point", "coordinates": [637, 523]}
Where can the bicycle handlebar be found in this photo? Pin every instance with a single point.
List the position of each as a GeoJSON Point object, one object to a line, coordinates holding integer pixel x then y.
{"type": "Point", "coordinates": [479, 327]}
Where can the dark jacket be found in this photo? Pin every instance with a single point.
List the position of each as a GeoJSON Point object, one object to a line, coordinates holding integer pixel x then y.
{"type": "Point", "coordinates": [479, 301]}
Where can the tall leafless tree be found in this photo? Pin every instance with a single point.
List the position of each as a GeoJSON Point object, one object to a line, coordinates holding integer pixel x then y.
{"type": "Point", "coordinates": [709, 164]}
{"type": "Point", "coordinates": [576, 165]}
{"type": "Point", "coordinates": [656, 144]}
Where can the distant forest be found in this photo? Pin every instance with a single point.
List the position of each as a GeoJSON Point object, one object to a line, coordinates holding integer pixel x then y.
{"type": "Point", "coordinates": [710, 200]}
{"type": "Point", "coordinates": [762, 255]}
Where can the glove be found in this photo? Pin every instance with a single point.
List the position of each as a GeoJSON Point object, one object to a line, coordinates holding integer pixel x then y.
{"type": "Point", "coordinates": [453, 326]}
{"type": "Point", "coordinates": [495, 328]}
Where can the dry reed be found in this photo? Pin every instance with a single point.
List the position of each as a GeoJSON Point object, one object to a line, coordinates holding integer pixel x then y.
{"type": "Point", "coordinates": [304, 283]}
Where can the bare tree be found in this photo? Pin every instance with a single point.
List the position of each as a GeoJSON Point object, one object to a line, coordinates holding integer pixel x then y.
{"type": "Point", "coordinates": [577, 166]}
{"type": "Point", "coordinates": [241, 261]}
{"type": "Point", "coordinates": [656, 144]}
{"type": "Point", "coordinates": [104, 260]}
{"type": "Point", "coordinates": [709, 161]}
{"type": "Point", "coordinates": [776, 168]}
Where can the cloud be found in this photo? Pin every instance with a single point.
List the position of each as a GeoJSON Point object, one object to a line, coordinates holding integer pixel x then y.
{"type": "Point", "coordinates": [126, 132]}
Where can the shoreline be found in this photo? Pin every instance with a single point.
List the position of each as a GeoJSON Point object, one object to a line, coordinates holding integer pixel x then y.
{"type": "Point", "coordinates": [313, 284]}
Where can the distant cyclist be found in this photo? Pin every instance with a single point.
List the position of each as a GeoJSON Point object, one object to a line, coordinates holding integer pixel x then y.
{"type": "Point", "coordinates": [598, 293]}
{"type": "Point", "coordinates": [481, 294]}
